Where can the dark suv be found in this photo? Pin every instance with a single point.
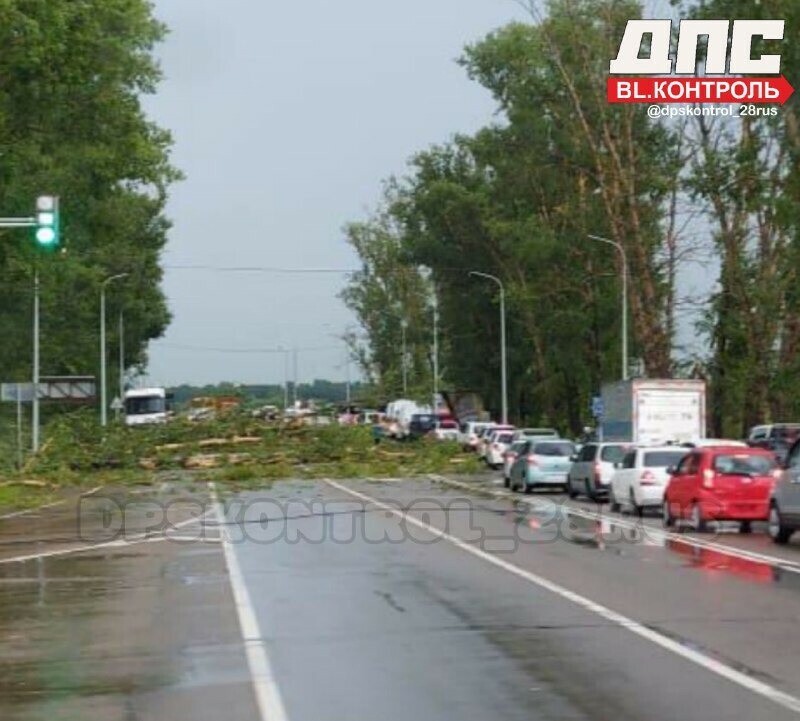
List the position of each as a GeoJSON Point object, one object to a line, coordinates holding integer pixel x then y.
{"type": "Point", "coordinates": [421, 424]}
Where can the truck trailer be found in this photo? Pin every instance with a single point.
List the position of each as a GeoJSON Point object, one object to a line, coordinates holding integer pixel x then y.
{"type": "Point", "coordinates": [654, 412]}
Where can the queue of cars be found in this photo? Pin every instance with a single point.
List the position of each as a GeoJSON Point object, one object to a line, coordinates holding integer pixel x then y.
{"type": "Point", "coordinates": [699, 482]}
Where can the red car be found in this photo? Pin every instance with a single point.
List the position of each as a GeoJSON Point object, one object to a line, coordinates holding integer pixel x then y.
{"type": "Point", "coordinates": [721, 484]}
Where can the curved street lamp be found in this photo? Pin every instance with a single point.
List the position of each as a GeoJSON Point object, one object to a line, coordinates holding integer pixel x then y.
{"type": "Point", "coordinates": [103, 390]}
{"type": "Point", "coordinates": [503, 369]}
{"type": "Point", "coordinates": [624, 256]}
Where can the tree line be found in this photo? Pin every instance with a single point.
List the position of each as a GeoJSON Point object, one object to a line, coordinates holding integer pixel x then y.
{"type": "Point", "coordinates": [519, 199]}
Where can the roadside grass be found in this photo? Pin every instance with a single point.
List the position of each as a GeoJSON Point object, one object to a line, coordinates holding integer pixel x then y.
{"type": "Point", "coordinates": [236, 450]}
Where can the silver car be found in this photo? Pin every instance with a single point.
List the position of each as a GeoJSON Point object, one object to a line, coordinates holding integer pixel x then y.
{"type": "Point", "coordinates": [593, 468]}
{"type": "Point", "coordinates": [784, 512]}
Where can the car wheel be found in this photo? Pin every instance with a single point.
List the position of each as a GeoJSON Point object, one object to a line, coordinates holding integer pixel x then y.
{"type": "Point", "coordinates": [666, 515]}
{"type": "Point", "coordinates": [614, 505]}
{"type": "Point", "coordinates": [778, 531]}
{"type": "Point", "coordinates": [696, 518]}
{"type": "Point", "coordinates": [745, 527]}
{"type": "Point", "coordinates": [590, 494]}
{"type": "Point", "coordinates": [570, 490]}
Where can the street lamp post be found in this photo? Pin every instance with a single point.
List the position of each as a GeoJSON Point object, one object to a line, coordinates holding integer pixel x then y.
{"type": "Point", "coordinates": [503, 360]}
{"type": "Point", "coordinates": [435, 359]}
{"type": "Point", "coordinates": [624, 256]}
{"type": "Point", "coordinates": [121, 361]}
{"type": "Point", "coordinates": [103, 389]}
{"type": "Point", "coordinates": [404, 327]}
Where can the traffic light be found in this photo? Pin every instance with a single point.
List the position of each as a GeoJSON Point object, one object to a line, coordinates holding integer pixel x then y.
{"type": "Point", "coordinates": [47, 222]}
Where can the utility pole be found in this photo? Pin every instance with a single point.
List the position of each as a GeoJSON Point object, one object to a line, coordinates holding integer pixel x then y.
{"type": "Point", "coordinates": [285, 378]}
{"type": "Point", "coordinates": [294, 385]}
{"type": "Point", "coordinates": [404, 326]}
{"type": "Point", "coordinates": [121, 357]}
{"type": "Point", "coordinates": [103, 387]}
{"type": "Point", "coordinates": [35, 401]}
{"type": "Point", "coordinates": [347, 366]}
{"type": "Point", "coordinates": [48, 236]}
{"type": "Point", "coordinates": [435, 358]}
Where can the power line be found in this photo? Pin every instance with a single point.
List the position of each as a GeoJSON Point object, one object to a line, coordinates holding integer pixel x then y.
{"type": "Point", "coordinates": [261, 269]}
{"type": "Point", "coordinates": [245, 351]}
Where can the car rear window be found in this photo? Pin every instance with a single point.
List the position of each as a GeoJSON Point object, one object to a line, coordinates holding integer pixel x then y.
{"type": "Point", "coordinates": [613, 454]}
{"type": "Point", "coordinates": [663, 459]}
{"type": "Point", "coordinates": [554, 449]}
{"type": "Point", "coordinates": [744, 465]}
{"type": "Point", "coordinates": [504, 437]}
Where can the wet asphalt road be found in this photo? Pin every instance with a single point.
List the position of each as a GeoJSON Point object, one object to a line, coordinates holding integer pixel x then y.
{"type": "Point", "coordinates": [365, 617]}
{"type": "Point", "coordinates": [344, 601]}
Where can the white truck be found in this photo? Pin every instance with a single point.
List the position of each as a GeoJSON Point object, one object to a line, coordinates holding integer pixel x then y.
{"type": "Point", "coordinates": [398, 417]}
{"type": "Point", "coordinates": [654, 412]}
{"type": "Point", "coordinates": [144, 406]}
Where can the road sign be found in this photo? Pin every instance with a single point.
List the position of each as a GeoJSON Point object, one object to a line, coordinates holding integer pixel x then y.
{"type": "Point", "coordinates": [598, 407]}
{"type": "Point", "coordinates": [16, 392]}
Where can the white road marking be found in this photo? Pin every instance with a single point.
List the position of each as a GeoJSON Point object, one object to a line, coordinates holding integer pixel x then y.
{"type": "Point", "coordinates": [657, 533]}
{"type": "Point", "coordinates": [268, 695]}
{"type": "Point", "coordinates": [751, 684]}
{"type": "Point", "coordinates": [118, 543]}
{"type": "Point", "coordinates": [28, 511]}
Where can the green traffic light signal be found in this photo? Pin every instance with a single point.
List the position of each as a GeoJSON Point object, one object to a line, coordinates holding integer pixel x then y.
{"type": "Point", "coordinates": [47, 222]}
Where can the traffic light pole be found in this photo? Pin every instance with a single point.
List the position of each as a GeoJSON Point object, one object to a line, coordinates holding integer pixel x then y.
{"type": "Point", "coordinates": [35, 400]}
{"type": "Point", "coordinates": [31, 223]}
{"type": "Point", "coordinates": [46, 222]}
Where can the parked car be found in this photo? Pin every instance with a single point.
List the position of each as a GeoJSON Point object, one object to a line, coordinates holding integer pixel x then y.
{"type": "Point", "coordinates": [447, 430]}
{"type": "Point", "coordinates": [511, 455]}
{"type": "Point", "coordinates": [784, 511]}
{"type": "Point", "coordinates": [543, 433]}
{"type": "Point", "coordinates": [541, 463]}
{"type": "Point", "coordinates": [470, 431]}
{"type": "Point", "coordinates": [498, 443]}
{"type": "Point", "coordinates": [483, 446]}
{"type": "Point", "coordinates": [777, 437]}
{"type": "Point", "coordinates": [641, 477]}
{"type": "Point", "coordinates": [721, 484]}
{"type": "Point", "coordinates": [592, 470]}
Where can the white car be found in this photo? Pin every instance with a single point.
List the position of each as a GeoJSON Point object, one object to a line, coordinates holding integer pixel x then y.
{"type": "Point", "coordinates": [592, 469]}
{"type": "Point", "coordinates": [496, 446]}
{"type": "Point", "coordinates": [485, 438]}
{"type": "Point", "coordinates": [713, 442]}
{"type": "Point", "coordinates": [470, 431]}
{"type": "Point", "coordinates": [641, 477]}
{"type": "Point", "coordinates": [446, 431]}
{"type": "Point", "coordinates": [536, 433]}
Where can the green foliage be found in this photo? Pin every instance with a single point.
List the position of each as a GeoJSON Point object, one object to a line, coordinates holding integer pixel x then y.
{"type": "Point", "coordinates": [77, 450]}
{"type": "Point", "coordinates": [744, 175]}
{"type": "Point", "coordinates": [71, 124]}
{"type": "Point", "coordinates": [518, 200]}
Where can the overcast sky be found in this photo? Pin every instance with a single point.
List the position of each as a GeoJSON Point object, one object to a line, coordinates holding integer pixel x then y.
{"type": "Point", "coordinates": [287, 116]}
